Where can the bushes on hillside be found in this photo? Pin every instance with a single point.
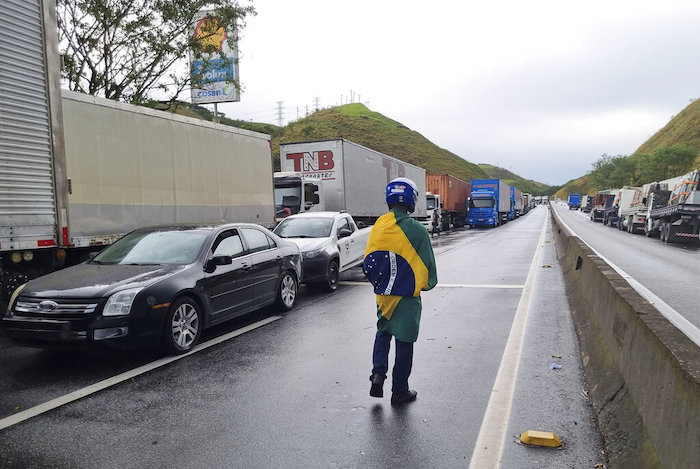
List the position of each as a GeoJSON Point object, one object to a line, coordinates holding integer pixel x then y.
{"type": "Point", "coordinates": [663, 163]}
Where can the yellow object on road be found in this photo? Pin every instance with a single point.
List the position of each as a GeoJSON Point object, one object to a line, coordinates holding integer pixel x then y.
{"type": "Point", "coordinates": [538, 438]}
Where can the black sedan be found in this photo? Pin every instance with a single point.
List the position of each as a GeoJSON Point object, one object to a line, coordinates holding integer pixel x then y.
{"type": "Point", "coordinates": [160, 285]}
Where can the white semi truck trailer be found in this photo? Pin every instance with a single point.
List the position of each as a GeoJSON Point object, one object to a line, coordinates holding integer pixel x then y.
{"type": "Point", "coordinates": [77, 172]}
{"type": "Point", "coordinates": [339, 175]}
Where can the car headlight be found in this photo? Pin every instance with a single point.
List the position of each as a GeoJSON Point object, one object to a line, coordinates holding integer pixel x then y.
{"type": "Point", "coordinates": [13, 298]}
{"type": "Point", "coordinates": [119, 304]}
{"type": "Point", "coordinates": [314, 253]}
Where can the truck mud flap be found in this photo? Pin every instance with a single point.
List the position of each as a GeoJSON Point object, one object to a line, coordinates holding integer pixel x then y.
{"type": "Point", "coordinates": [682, 237]}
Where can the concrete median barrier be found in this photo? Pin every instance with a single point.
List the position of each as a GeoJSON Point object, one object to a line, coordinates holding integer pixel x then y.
{"type": "Point", "coordinates": [642, 373]}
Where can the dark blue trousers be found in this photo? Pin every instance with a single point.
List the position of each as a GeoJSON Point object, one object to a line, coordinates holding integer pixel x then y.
{"type": "Point", "coordinates": [402, 363]}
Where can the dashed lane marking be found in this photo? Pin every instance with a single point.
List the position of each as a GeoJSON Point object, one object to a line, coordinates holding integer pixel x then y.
{"type": "Point", "coordinates": [86, 391]}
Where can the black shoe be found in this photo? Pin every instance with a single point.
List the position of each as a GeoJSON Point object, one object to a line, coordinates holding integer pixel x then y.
{"type": "Point", "coordinates": [377, 389]}
{"type": "Point", "coordinates": [403, 397]}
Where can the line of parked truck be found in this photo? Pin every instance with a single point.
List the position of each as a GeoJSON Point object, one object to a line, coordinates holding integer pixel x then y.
{"type": "Point", "coordinates": [78, 172]}
{"type": "Point", "coordinates": [668, 209]}
{"type": "Point", "coordinates": [183, 207]}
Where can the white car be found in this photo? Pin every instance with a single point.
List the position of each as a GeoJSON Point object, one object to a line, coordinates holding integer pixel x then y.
{"type": "Point", "coordinates": [330, 243]}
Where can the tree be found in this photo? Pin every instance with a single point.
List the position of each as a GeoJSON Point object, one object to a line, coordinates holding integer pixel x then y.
{"type": "Point", "coordinates": [128, 49]}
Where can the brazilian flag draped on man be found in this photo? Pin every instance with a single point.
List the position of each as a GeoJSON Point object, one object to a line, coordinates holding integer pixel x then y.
{"type": "Point", "coordinates": [399, 262]}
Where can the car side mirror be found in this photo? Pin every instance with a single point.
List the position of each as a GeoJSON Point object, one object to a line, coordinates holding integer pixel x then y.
{"type": "Point", "coordinates": [215, 261]}
{"type": "Point", "coordinates": [344, 233]}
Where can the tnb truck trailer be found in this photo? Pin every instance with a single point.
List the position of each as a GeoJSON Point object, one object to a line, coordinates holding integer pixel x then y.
{"type": "Point", "coordinates": [77, 172]}
{"type": "Point", "coordinates": [489, 202]}
{"type": "Point", "coordinates": [339, 175]}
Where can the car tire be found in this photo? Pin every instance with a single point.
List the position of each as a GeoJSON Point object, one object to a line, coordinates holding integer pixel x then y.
{"type": "Point", "coordinates": [287, 292]}
{"type": "Point", "coordinates": [183, 326]}
{"type": "Point", "coordinates": [332, 276]}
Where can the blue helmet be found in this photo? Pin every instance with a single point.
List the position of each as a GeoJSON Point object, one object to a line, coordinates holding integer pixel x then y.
{"type": "Point", "coordinates": [402, 191]}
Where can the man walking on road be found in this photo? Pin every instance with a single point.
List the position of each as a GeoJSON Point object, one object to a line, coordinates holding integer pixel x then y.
{"type": "Point", "coordinates": [399, 262]}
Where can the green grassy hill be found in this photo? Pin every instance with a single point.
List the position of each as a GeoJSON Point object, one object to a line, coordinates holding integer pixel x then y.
{"type": "Point", "coordinates": [355, 122]}
{"type": "Point", "coordinates": [683, 128]}
{"type": "Point", "coordinates": [358, 124]}
{"type": "Point", "coordinates": [673, 150]}
{"type": "Point", "coordinates": [525, 185]}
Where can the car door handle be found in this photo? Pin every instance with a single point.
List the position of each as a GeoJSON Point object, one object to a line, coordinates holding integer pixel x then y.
{"type": "Point", "coordinates": [245, 266]}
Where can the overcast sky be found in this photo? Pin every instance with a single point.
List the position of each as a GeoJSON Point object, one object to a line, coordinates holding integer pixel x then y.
{"type": "Point", "coordinates": [542, 88]}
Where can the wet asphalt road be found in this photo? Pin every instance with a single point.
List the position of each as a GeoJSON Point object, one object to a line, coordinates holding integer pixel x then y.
{"type": "Point", "coordinates": [670, 271]}
{"type": "Point", "coordinates": [294, 393]}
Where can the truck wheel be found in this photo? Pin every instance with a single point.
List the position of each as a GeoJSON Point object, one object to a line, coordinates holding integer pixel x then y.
{"type": "Point", "coordinates": [332, 276]}
{"type": "Point", "coordinates": [287, 292]}
{"type": "Point", "coordinates": [648, 229]}
{"type": "Point", "coordinates": [183, 326]}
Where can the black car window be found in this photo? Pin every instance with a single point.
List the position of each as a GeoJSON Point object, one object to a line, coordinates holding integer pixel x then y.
{"type": "Point", "coordinates": [257, 240]}
{"type": "Point", "coordinates": [228, 243]}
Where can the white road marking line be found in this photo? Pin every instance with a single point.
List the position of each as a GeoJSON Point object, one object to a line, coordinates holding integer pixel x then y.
{"type": "Point", "coordinates": [492, 434]}
{"type": "Point", "coordinates": [445, 285]}
{"type": "Point", "coordinates": [674, 317]}
{"type": "Point", "coordinates": [86, 391]}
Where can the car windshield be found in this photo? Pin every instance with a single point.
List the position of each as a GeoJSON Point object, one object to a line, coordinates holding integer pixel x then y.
{"type": "Point", "coordinates": [154, 247]}
{"type": "Point", "coordinates": [304, 227]}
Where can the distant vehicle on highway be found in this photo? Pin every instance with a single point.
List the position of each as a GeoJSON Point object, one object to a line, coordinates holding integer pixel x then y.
{"type": "Point", "coordinates": [159, 285]}
{"type": "Point", "coordinates": [574, 201]}
{"type": "Point", "coordinates": [330, 243]}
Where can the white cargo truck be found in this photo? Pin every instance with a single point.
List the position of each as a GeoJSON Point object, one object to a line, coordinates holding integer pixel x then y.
{"type": "Point", "coordinates": [78, 172]}
{"type": "Point", "coordinates": [339, 175]}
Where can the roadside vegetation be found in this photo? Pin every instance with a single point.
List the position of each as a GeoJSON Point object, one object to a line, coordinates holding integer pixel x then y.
{"type": "Point", "coordinates": [672, 151]}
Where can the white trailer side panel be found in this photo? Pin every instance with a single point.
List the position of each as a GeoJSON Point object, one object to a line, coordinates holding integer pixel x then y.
{"type": "Point", "coordinates": [27, 203]}
{"type": "Point", "coordinates": [503, 196]}
{"type": "Point", "coordinates": [131, 166]}
{"type": "Point", "coordinates": [367, 172]}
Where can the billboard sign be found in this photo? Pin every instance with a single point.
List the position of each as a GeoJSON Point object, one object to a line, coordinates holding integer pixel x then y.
{"type": "Point", "coordinates": [214, 70]}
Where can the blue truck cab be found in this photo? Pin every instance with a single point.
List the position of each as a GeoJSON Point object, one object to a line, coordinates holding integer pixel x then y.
{"type": "Point", "coordinates": [489, 202]}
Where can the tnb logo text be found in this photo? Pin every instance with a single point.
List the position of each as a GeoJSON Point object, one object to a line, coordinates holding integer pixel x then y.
{"type": "Point", "coordinates": [312, 161]}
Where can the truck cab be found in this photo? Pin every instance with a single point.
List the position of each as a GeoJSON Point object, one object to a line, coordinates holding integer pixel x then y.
{"type": "Point", "coordinates": [483, 209]}
{"type": "Point", "coordinates": [433, 203]}
{"type": "Point", "coordinates": [296, 193]}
